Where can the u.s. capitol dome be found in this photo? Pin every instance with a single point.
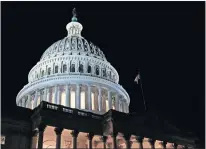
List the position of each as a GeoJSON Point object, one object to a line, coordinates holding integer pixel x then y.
{"type": "Point", "coordinates": [74, 72]}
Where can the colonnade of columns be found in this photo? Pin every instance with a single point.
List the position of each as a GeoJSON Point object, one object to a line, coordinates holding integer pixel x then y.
{"type": "Point", "coordinates": [74, 134]}
{"type": "Point", "coordinates": [120, 103]}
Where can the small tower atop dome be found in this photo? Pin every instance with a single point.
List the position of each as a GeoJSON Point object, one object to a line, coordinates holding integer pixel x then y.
{"type": "Point", "coordinates": [74, 28]}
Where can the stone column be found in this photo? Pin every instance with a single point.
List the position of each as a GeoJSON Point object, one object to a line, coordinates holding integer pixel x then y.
{"type": "Point", "coordinates": [45, 94]}
{"type": "Point", "coordinates": [127, 139]}
{"type": "Point", "coordinates": [175, 145]}
{"type": "Point", "coordinates": [152, 143]}
{"type": "Point", "coordinates": [41, 136]}
{"type": "Point", "coordinates": [58, 132]}
{"type": "Point", "coordinates": [77, 98]}
{"type": "Point", "coordinates": [35, 99]}
{"type": "Point", "coordinates": [90, 136]}
{"type": "Point", "coordinates": [74, 134]}
{"type": "Point", "coordinates": [123, 110]}
{"type": "Point", "coordinates": [114, 141]}
{"type": "Point", "coordinates": [117, 102]}
{"type": "Point", "coordinates": [34, 139]}
{"type": "Point", "coordinates": [110, 99]}
{"type": "Point", "coordinates": [29, 101]}
{"type": "Point", "coordinates": [140, 140]}
{"type": "Point", "coordinates": [89, 97]}
{"type": "Point", "coordinates": [126, 107]}
{"type": "Point", "coordinates": [100, 99]}
{"type": "Point", "coordinates": [120, 105]}
{"type": "Point", "coordinates": [58, 95]}
{"type": "Point", "coordinates": [67, 96]}
{"type": "Point", "coordinates": [164, 143]}
{"type": "Point", "coordinates": [55, 94]}
{"type": "Point", "coordinates": [104, 139]}
{"type": "Point", "coordinates": [23, 102]}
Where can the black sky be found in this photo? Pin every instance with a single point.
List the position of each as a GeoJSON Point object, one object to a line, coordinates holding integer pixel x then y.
{"type": "Point", "coordinates": [165, 40]}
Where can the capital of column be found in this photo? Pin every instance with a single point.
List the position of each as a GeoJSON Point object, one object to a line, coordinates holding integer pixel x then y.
{"type": "Point", "coordinates": [58, 131]}
{"type": "Point", "coordinates": [114, 134]}
{"type": "Point", "coordinates": [41, 128]}
{"type": "Point", "coordinates": [139, 139]}
{"type": "Point", "coordinates": [175, 145]}
{"type": "Point", "coordinates": [104, 139]}
{"type": "Point", "coordinates": [163, 143]}
{"type": "Point", "coordinates": [90, 136]}
{"type": "Point", "coordinates": [127, 136]}
{"type": "Point", "coordinates": [74, 133]}
{"type": "Point", "coordinates": [152, 142]}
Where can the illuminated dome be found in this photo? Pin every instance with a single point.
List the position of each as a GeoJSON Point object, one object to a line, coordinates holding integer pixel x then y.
{"type": "Point", "coordinates": [74, 72]}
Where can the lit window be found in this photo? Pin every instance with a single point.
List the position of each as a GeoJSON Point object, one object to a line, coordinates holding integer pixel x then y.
{"type": "Point", "coordinates": [72, 99]}
{"type": "Point", "coordinates": [92, 101]}
{"type": "Point", "coordinates": [32, 104]}
{"type": "Point", "coordinates": [82, 100]}
{"type": "Point", "coordinates": [107, 105]}
{"type": "Point", "coordinates": [53, 100]}
{"type": "Point", "coordinates": [63, 97]}
{"type": "Point", "coordinates": [38, 100]}
{"type": "Point", "coordinates": [3, 138]}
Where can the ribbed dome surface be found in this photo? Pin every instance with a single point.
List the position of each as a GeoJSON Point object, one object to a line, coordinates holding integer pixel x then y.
{"type": "Point", "coordinates": [73, 45]}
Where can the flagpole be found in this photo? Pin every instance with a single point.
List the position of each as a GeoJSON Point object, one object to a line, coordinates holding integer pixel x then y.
{"type": "Point", "coordinates": [140, 80]}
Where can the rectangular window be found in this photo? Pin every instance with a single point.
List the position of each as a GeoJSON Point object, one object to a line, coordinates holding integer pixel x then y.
{"type": "Point", "coordinates": [82, 100]}
{"type": "Point", "coordinates": [72, 99]}
{"type": "Point", "coordinates": [3, 138]}
{"type": "Point", "coordinates": [107, 105]}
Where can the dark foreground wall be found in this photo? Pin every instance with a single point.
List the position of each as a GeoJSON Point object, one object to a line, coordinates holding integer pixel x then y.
{"type": "Point", "coordinates": [16, 128]}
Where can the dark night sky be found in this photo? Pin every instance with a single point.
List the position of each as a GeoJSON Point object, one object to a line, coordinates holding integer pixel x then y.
{"type": "Point", "coordinates": [165, 40]}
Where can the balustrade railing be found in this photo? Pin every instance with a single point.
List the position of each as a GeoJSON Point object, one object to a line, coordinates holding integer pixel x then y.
{"type": "Point", "coordinates": [60, 108]}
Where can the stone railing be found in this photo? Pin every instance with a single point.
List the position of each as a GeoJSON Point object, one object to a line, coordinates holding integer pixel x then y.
{"type": "Point", "coordinates": [46, 105]}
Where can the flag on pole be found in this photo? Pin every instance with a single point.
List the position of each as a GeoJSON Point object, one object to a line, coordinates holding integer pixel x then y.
{"type": "Point", "coordinates": [137, 78]}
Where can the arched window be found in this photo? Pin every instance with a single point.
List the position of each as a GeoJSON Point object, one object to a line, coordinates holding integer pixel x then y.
{"type": "Point", "coordinates": [110, 75]}
{"type": "Point", "coordinates": [49, 71]}
{"type": "Point", "coordinates": [97, 70]}
{"type": "Point", "coordinates": [64, 68]}
{"type": "Point", "coordinates": [42, 73]}
{"type": "Point", "coordinates": [89, 69]}
{"type": "Point", "coordinates": [56, 69]}
{"type": "Point", "coordinates": [72, 68]}
{"type": "Point", "coordinates": [81, 68]}
{"type": "Point", "coordinates": [104, 72]}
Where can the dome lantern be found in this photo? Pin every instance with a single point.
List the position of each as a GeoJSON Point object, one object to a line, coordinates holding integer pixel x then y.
{"type": "Point", "coordinates": [74, 28]}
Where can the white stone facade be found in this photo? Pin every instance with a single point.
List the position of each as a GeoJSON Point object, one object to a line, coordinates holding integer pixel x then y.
{"type": "Point", "coordinates": [75, 73]}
